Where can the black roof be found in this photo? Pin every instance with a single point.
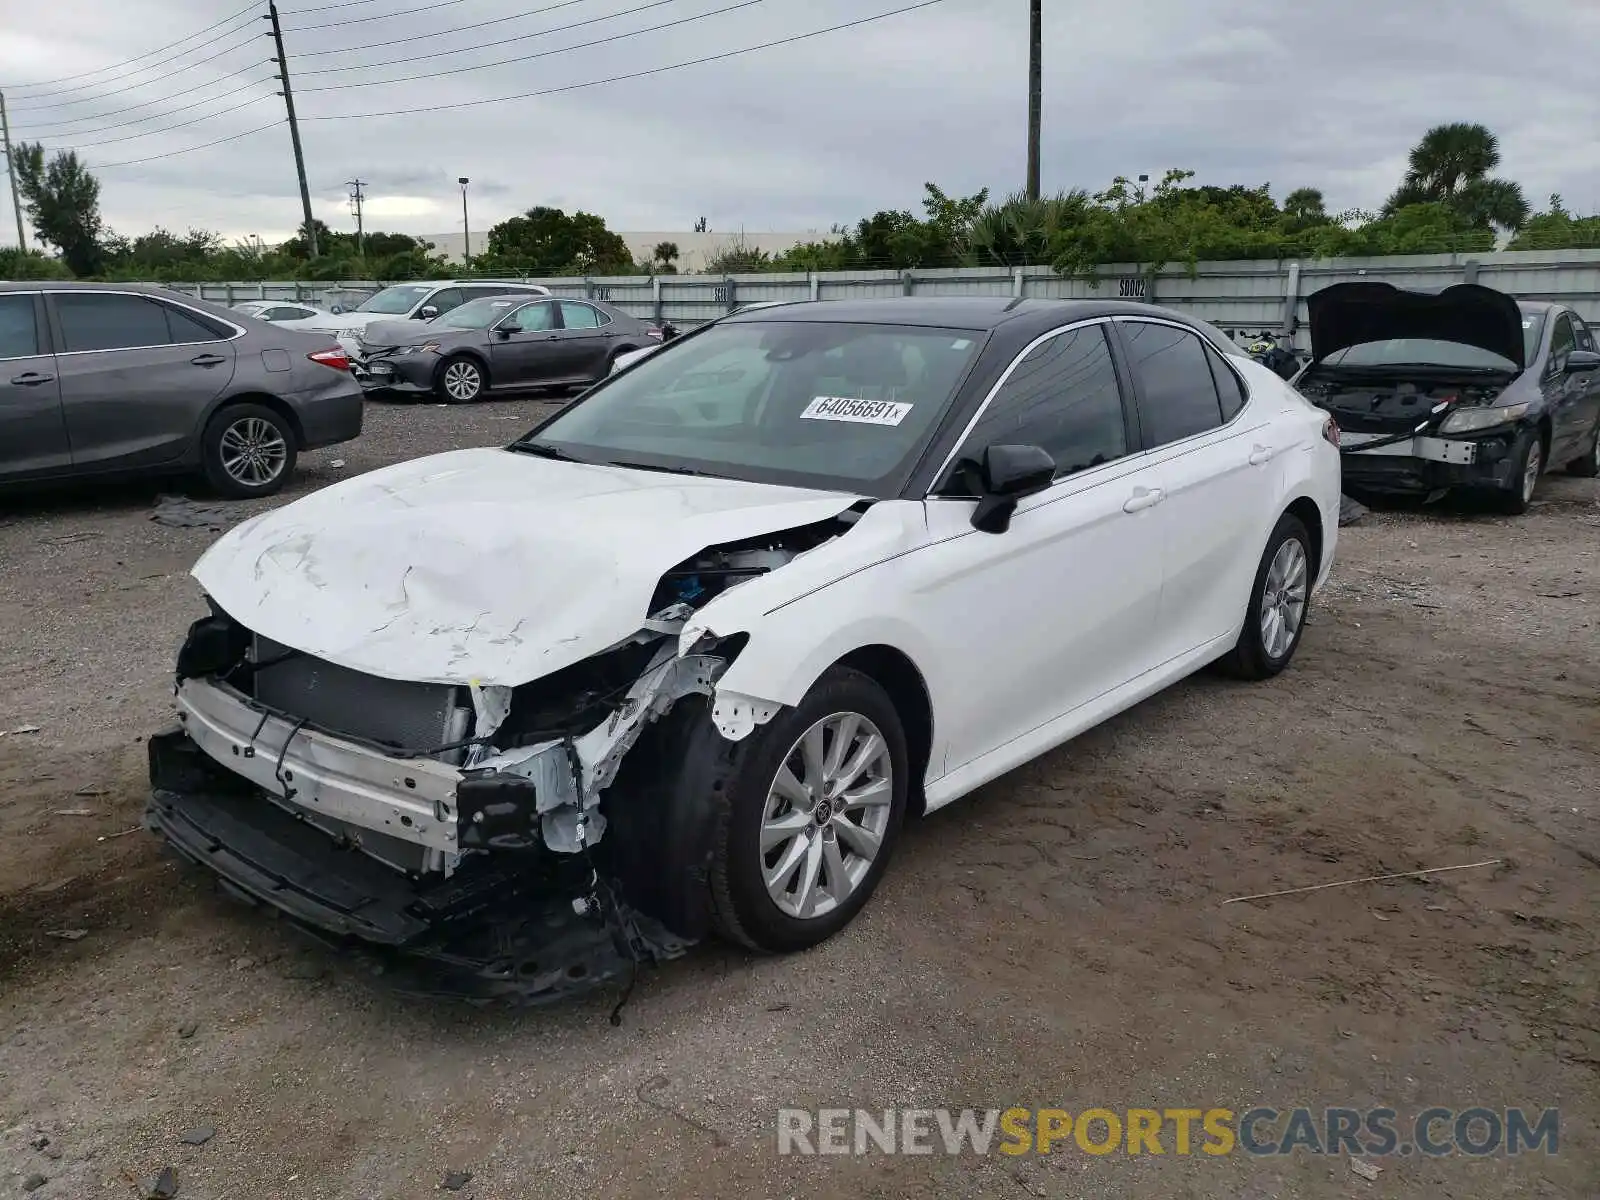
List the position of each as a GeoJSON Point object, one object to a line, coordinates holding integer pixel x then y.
{"type": "Point", "coordinates": [953, 312]}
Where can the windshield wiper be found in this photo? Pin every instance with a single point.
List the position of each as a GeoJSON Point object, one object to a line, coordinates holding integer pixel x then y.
{"type": "Point", "coordinates": [545, 450]}
{"type": "Point", "coordinates": [639, 466]}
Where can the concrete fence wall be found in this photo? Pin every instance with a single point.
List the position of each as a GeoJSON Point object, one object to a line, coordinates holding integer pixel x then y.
{"type": "Point", "coordinates": [1243, 298]}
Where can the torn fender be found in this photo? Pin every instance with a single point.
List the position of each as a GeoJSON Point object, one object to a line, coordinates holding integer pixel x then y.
{"type": "Point", "coordinates": [484, 567]}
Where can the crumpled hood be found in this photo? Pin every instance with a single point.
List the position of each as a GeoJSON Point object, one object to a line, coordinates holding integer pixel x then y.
{"type": "Point", "coordinates": [406, 333]}
{"type": "Point", "coordinates": [483, 566]}
{"type": "Point", "coordinates": [1350, 314]}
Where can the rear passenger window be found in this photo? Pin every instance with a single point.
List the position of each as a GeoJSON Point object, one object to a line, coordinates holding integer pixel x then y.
{"type": "Point", "coordinates": [101, 321]}
{"type": "Point", "coordinates": [1581, 329]}
{"type": "Point", "coordinates": [1063, 397]}
{"type": "Point", "coordinates": [19, 333]}
{"type": "Point", "coordinates": [1177, 396]}
{"type": "Point", "coordinates": [185, 327]}
{"type": "Point", "coordinates": [1229, 389]}
{"type": "Point", "coordinates": [581, 316]}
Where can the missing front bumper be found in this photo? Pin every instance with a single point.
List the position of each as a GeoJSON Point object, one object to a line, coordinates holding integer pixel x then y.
{"type": "Point", "coordinates": [1427, 464]}
{"type": "Point", "coordinates": [506, 927]}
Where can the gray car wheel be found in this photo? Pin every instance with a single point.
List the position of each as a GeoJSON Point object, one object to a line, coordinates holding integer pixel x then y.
{"type": "Point", "coordinates": [460, 380]}
{"type": "Point", "coordinates": [248, 450]}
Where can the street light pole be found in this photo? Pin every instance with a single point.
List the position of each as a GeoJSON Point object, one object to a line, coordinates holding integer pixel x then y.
{"type": "Point", "coordinates": [1035, 92]}
{"type": "Point", "coordinates": [466, 230]}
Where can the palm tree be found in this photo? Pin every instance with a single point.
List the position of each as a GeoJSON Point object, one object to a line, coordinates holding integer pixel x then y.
{"type": "Point", "coordinates": [1451, 166]}
{"type": "Point", "coordinates": [1019, 231]}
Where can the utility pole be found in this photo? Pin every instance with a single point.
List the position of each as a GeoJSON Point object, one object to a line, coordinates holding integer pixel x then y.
{"type": "Point", "coordinates": [1035, 91]}
{"type": "Point", "coordinates": [466, 230]}
{"type": "Point", "coordinates": [355, 203]}
{"type": "Point", "coordinates": [294, 126]}
{"type": "Point", "coordinates": [11, 170]}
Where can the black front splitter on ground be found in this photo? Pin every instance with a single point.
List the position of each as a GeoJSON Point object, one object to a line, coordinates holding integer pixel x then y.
{"type": "Point", "coordinates": [521, 929]}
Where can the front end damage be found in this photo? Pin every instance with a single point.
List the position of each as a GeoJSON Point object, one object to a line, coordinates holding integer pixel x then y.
{"type": "Point", "coordinates": [493, 842]}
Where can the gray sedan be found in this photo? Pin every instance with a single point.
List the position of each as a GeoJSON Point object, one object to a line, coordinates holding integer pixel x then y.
{"type": "Point", "coordinates": [500, 343]}
{"type": "Point", "coordinates": [115, 380]}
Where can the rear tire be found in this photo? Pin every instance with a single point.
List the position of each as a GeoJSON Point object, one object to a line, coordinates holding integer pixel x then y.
{"type": "Point", "coordinates": [802, 841]}
{"type": "Point", "coordinates": [1587, 465]}
{"type": "Point", "coordinates": [1280, 600]}
{"type": "Point", "coordinates": [460, 380]}
{"type": "Point", "coordinates": [1528, 465]}
{"type": "Point", "coordinates": [247, 450]}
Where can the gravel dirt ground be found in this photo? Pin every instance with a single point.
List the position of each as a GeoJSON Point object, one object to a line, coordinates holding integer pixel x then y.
{"type": "Point", "coordinates": [1056, 940]}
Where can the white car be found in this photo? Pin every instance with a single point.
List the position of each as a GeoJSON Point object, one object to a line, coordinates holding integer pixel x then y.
{"type": "Point", "coordinates": [290, 314]}
{"type": "Point", "coordinates": [683, 658]}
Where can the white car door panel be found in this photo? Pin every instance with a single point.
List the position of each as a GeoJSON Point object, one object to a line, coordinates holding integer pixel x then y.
{"type": "Point", "coordinates": [1032, 634]}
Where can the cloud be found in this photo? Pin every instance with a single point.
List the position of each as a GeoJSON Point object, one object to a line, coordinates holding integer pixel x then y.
{"type": "Point", "coordinates": [797, 137]}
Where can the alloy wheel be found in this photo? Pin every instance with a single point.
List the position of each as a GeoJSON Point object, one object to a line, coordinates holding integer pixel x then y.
{"type": "Point", "coordinates": [1283, 598]}
{"type": "Point", "coordinates": [253, 452]}
{"type": "Point", "coordinates": [1530, 473]}
{"type": "Point", "coordinates": [826, 815]}
{"type": "Point", "coordinates": [462, 381]}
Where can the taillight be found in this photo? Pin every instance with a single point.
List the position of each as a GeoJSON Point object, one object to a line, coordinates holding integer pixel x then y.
{"type": "Point", "coordinates": [654, 332]}
{"type": "Point", "coordinates": [335, 358]}
{"type": "Point", "coordinates": [1330, 432]}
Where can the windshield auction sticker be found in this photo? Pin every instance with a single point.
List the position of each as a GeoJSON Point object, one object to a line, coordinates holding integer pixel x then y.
{"type": "Point", "coordinates": [862, 412]}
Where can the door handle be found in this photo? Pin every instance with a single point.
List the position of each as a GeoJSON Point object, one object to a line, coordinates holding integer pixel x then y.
{"type": "Point", "coordinates": [1143, 498]}
{"type": "Point", "coordinates": [31, 379]}
{"type": "Point", "coordinates": [1261, 454]}
{"type": "Point", "coordinates": [208, 360]}
{"type": "Point", "coordinates": [549, 337]}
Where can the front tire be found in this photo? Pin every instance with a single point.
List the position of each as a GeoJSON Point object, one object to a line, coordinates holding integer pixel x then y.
{"type": "Point", "coordinates": [1280, 598]}
{"type": "Point", "coordinates": [814, 810]}
{"type": "Point", "coordinates": [247, 450]}
{"type": "Point", "coordinates": [1528, 460]}
{"type": "Point", "coordinates": [460, 380]}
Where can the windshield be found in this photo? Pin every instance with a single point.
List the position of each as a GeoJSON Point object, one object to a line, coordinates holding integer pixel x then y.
{"type": "Point", "coordinates": [839, 406]}
{"type": "Point", "coordinates": [478, 314]}
{"type": "Point", "coordinates": [1393, 352]}
{"type": "Point", "coordinates": [395, 300]}
{"type": "Point", "coordinates": [1532, 327]}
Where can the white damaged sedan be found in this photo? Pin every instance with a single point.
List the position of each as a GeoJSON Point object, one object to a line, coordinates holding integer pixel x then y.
{"type": "Point", "coordinates": [682, 659]}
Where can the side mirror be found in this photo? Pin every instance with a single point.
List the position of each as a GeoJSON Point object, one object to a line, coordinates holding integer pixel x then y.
{"type": "Point", "coordinates": [505, 330]}
{"type": "Point", "coordinates": [1006, 474]}
{"type": "Point", "coordinates": [427, 312]}
{"type": "Point", "coordinates": [1581, 360]}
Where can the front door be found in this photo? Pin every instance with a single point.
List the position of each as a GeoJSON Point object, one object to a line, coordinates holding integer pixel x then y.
{"type": "Point", "coordinates": [137, 376]}
{"type": "Point", "coordinates": [33, 433]}
{"type": "Point", "coordinates": [1033, 630]}
{"type": "Point", "coordinates": [1575, 397]}
{"type": "Point", "coordinates": [523, 349]}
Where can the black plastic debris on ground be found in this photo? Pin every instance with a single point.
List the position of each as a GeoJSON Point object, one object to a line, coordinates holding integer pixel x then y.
{"type": "Point", "coordinates": [163, 1187]}
{"type": "Point", "coordinates": [456, 1180]}
{"type": "Point", "coordinates": [1350, 511]}
{"type": "Point", "coordinates": [180, 512]}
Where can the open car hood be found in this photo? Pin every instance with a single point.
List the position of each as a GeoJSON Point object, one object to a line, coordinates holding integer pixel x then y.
{"type": "Point", "coordinates": [483, 566]}
{"type": "Point", "coordinates": [1350, 314]}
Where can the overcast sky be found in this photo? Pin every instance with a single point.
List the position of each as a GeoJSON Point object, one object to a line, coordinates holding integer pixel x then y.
{"type": "Point", "coordinates": [798, 137]}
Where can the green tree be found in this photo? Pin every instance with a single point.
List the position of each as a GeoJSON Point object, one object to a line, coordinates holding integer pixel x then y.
{"type": "Point", "coordinates": [547, 241]}
{"type": "Point", "coordinates": [663, 259]}
{"type": "Point", "coordinates": [63, 203]}
{"type": "Point", "coordinates": [1557, 229]}
{"type": "Point", "coordinates": [1451, 165]}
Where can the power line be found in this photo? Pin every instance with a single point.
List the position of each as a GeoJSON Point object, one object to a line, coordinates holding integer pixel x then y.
{"type": "Point", "coordinates": [418, 37]}
{"type": "Point", "coordinates": [572, 87]}
{"type": "Point", "coordinates": [521, 37]}
{"type": "Point", "coordinates": [379, 17]}
{"type": "Point", "coordinates": [133, 137]}
{"type": "Point", "coordinates": [132, 87]}
{"type": "Point", "coordinates": [250, 9]}
{"type": "Point", "coordinates": [300, 12]}
{"type": "Point", "coordinates": [233, 137]}
{"type": "Point", "coordinates": [43, 133]}
{"type": "Point", "coordinates": [616, 37]}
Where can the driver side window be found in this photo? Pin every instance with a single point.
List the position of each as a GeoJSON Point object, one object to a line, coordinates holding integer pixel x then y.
{"type": "Point", "coordinates": [444, 301]}
{"type": "Point", "coordinates": [1063, 397]}
{"type": "Point", "coordinates": [1562, 342]}
{"type": "Point", "coordinates": [536, 318]}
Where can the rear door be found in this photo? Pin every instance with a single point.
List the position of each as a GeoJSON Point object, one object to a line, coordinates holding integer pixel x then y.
{"type": "Point", "coordinates": [33, 433]}
{"type": "Point", "coordinates": [528, 353]}
{"type": "Point", "coordinates": [1215, 465]}
{"type": "Point", "coordinates": [587, 336]}
{"type": "Point", "coordinates": [137, 375]}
